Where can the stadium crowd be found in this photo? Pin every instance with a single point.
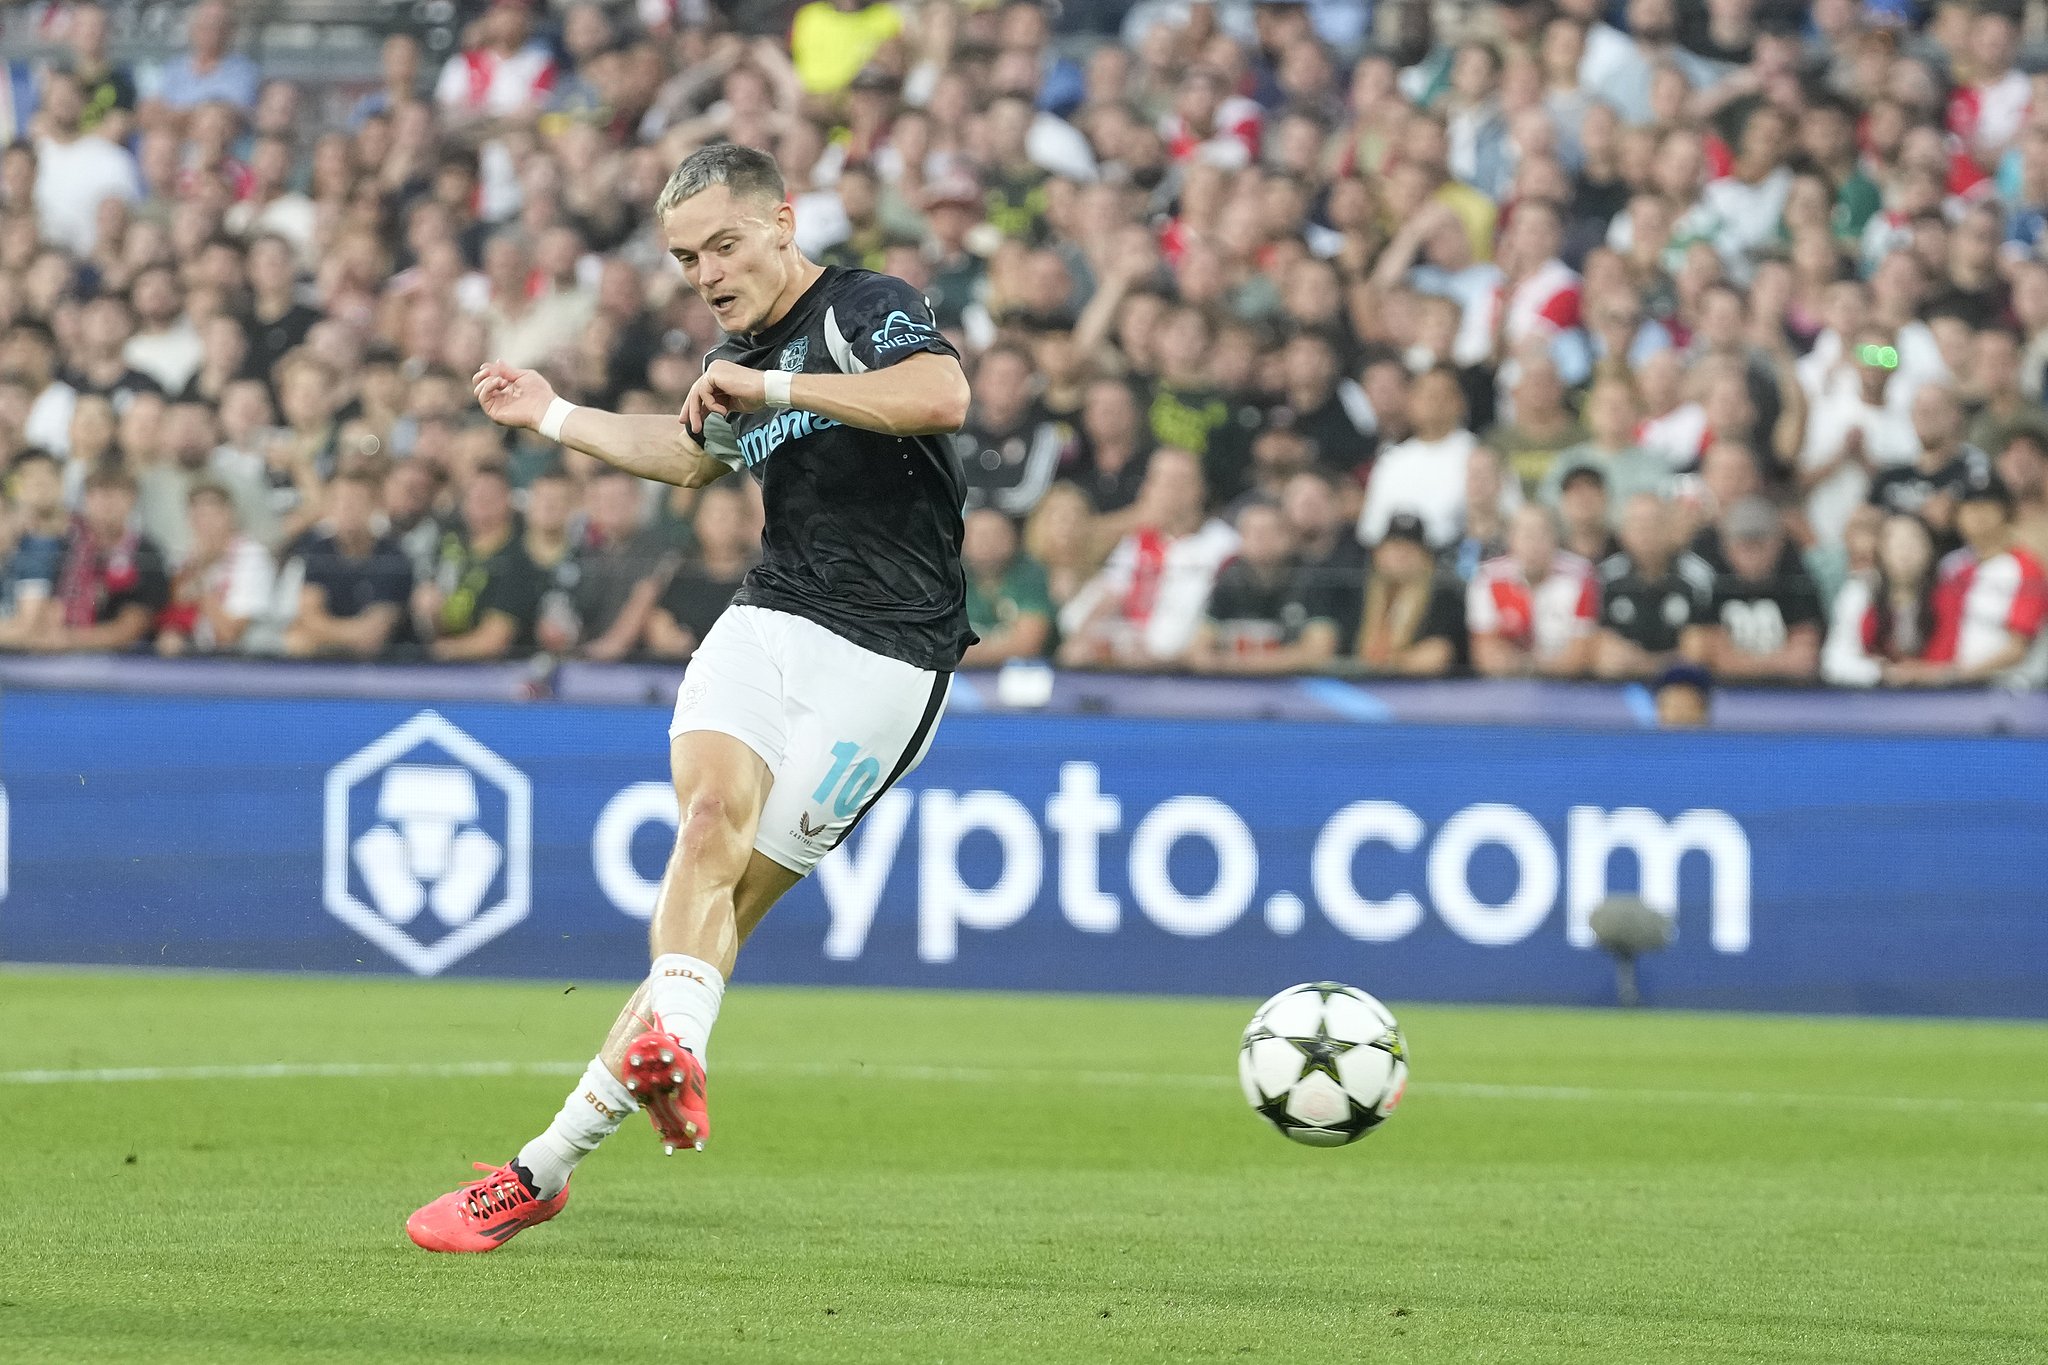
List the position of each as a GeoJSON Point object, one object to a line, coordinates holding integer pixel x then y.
{"type": "Point", "coordinates": [1564, 338]}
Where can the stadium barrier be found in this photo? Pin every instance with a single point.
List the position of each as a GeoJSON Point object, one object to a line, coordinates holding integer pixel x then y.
{"type": "Point", "coordinates": [1819, 872]}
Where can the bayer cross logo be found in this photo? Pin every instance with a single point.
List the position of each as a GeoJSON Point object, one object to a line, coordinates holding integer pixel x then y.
{"type": "Point", "coordinates": [794, 355]}
{"type": "Point", "coordinates": [428, 844]}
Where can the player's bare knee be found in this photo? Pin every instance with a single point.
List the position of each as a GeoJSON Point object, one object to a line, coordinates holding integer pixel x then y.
{"type": "Point", "coordinates": [710, 824]}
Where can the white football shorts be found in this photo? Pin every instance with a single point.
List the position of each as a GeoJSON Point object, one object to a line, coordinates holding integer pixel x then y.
{"type": "Point", "coordinates": [836, 724]}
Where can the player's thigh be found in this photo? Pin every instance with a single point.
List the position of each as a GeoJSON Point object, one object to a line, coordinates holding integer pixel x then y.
{"type": "Point", "coordinates": [731, 728]}
{"type": "Point", "coordinates": [857, 722]}
{"type": "Point", "coordinates": [721, 784]}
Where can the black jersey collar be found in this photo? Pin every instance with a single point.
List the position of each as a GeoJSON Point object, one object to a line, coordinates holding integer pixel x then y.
{"type": "Point", "coordinates": [797, 319]}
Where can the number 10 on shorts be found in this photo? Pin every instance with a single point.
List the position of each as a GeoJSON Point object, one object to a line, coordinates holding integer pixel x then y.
{"type": "Point", "coordinates": [854, 781]}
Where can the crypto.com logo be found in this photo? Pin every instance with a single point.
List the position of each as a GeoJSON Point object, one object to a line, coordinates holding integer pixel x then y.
{"type": "Point", "coordinates": [427, 844]}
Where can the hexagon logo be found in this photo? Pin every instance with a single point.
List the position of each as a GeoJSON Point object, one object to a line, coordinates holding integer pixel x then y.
{"type": "Point", "coordinates": [429, 844]}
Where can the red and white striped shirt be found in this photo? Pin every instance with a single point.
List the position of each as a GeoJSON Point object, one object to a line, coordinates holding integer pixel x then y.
{"type": "Point", "coordinates": [1979, 605]}
{"type": "Point", "coordinates": [1543, 619]}
{"type": "Point", "coordinates": [482, 82]}
{"type": "Point", "coordinates": [1990, 116]}
{"type": "Point", "coordinates": [1545, 303]}
{"type": "Point", "coordinates": [1234, 144]}
{"type": "Point", "coordinates": [1158, 586]}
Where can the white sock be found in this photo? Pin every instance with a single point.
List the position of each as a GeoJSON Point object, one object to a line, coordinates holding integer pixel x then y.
{"type": "Point", "coordinates": [685, 992]}
{"type": "Point", "coordinates": [592, 1113]}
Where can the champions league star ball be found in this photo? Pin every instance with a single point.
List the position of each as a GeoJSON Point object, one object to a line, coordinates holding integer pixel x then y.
{"type": "Point", "coordinates": [1324, 1063]}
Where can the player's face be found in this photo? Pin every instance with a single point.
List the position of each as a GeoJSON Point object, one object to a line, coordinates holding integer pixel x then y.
{"type": "Point", "coordinates": [732, 252]}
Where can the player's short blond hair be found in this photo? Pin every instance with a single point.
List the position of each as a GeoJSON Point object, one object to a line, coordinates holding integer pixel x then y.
{"type": "Point", "coordinates": [742, 170]}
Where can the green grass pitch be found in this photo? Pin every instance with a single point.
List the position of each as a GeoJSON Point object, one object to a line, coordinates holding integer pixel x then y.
{"type": "Point", "coordinates": [906, 1177]}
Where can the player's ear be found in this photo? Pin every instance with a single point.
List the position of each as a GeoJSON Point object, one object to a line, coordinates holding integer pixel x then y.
{"type": "Point", "coordinates": [785, 224]}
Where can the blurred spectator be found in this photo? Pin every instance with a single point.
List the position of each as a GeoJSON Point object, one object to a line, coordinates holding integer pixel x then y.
{"type": "Point", "coordinates": [187, 462]}
{"type": "Point", "coordinates": [1007, 602]}
{"type": "Point", "coordinates": [1728, 475]}
{"type": "Point", "coordinates": [1278, 454]}
{"type": "Point", "coordinates": [1626, 469]}
{"type": "Point", "coordinates": [620, 567]}
{"type": "Point", "coordinates": [1425, 474]}
{"type": "Point", "coordinates": [1752, 391]}
{"type": "Point", "coordinates": [280, 321]}
{"type": "Point", "coordinates": [1684, 696]}
{"type": "Point", "coordinates": [1765, 618]}
{"type": "Point", "coordinates": [30, 353]}
{"type": "Point", "coordinates": [1539, 300]}
{"type": "Point", "coordinates": [1996, 405]}
{"type": "Point", "coordinates": [112, 584]}
{"type": "Point", "coordinates": [98, 367]}
{"type": "Point", "coordinates": [1929, 486]}
{"type": "Point", "coordinates": [76, 169]}
{"type": "Point", "coordinates": [399, 60]}
{"type": "Point", "coordinates": [1484, 535]}
{"type": "Point", "coordinates": [223, 585]}
{"type": "Point", "coordinates": [550, 503]}
{"type": "Point", "coordinates": [1007, 448]}
{"type": "Point", "coordinates": [1413, 620]}
{"type": "Point", "coordinates": [352, 601]}
{"type": "Point", "coordinates": [728, 542]}
{"type": "Point", "coordinates": [525, 329]}
{"type": "Point", "coordinates": [505, 75]}
{"type": "Point", "coordinates": [1886, 616]}
{"type": "Point", "coordinates": [107, 86]}
{"type": "Point", "coordinates": [165, 346]}
{"type": "Point", "coordinates": [1852, 432]}
{"type": "Point", "coordinates": [1062, 538]}
{"type": "Point", "coordinates": [1109, 462]}
{"type": "Point", "coordinates": [484, 599]}
{"type": "Point", "coordinates": [1674, 425]}
{"type": "Point", "coordinates": [1855, 557]}
{"type": "Point", "coordinates": [410, 492]}
{"type": "Point", "coordinates": [209, 70]}
{"type": "Point", "coordinates": [1749, 202]}
{"type": "Point", "coordinates": [1190, 414]}
{"type": "Point", "coordinates": [1328, 417]}
{"type": "Point", "coordinates": [1650, 593]}
{"type": "Point", "coordinates": [831, 40]}
{"type": "Point", "coordinates": [1268, 613]}
{"type": "Point", "coordinates": [1583, 510]}
{"type": "Point", "coordinates": [1145, 605]}
{"type": "Point", "coordinates": [1324, 541]}
{"type": "Point", "coordinates": [2023, 466]}
{"type": "Point", "coordinates": [1543, 428]}
{"type": "Point", "coordinates": [1989, 603]}
{"type": "Point", "coordinates": [1533, 610]}
{"type": "Point", "coordinates": [28, 579]}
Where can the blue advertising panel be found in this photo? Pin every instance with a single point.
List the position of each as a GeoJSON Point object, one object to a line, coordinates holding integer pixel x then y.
{"type": "Point", "coordinates": [1061, 853]}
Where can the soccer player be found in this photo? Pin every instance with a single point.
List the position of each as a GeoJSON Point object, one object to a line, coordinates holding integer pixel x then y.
{"type": "Point", "coordinates": [821, 685]}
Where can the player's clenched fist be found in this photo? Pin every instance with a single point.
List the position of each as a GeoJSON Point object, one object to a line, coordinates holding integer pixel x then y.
{"type": "Point", "coordinates": [724, 388]}
{"type": "Point", "coordinates": [512, 398]}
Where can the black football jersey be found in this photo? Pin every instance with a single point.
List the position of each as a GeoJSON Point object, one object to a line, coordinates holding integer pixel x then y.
{"type": "Point", "coordinates": [1652, 613]}
{"type": "Point", "coordinates": [863, 530]}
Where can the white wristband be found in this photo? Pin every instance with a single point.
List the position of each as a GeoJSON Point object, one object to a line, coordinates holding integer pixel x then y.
{"type": "Point", "coordinates": [557, 413]}
{"type": "Point", "coordinates": [775, 387]}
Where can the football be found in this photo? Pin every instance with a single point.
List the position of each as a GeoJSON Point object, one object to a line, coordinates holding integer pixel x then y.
{"type": "Point", "coordinates": [1323, 1062]}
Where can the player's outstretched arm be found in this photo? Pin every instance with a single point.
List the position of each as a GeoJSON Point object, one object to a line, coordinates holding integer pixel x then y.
{"type": "Point", "coordinates": [651, 446]}
{"type": "Point", "coordinates": [921, 395]}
